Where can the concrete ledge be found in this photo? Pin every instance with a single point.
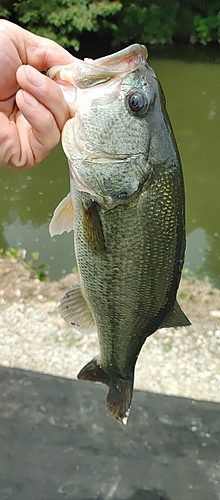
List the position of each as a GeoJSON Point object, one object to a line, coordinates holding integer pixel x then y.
{"type": "Point", "coordinates": [57, 443]}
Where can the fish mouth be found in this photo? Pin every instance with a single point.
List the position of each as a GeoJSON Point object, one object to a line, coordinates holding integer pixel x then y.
{"type": "Point", "coordinates": [103, 69]}
{"type": "Point", "coordinates": [125, 59]}
{"type": "Point", "coordinates": [91, 72]}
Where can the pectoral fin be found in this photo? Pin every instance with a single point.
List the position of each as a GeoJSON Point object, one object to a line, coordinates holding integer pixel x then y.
{"type": "Point", "coordinates": [75, 310]}
{"type": "Point", "coordinates": [175, 318]}
{"type": "Point", "coordinates": [63, 217]}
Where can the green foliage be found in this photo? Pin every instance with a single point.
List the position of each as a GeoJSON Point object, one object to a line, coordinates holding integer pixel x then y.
{"type": "Point", "coordinates": [189, 275]}
{"type": "Point", "coordinates": [161, 21]}
{"type": "Point", "coordinates": [13, 253]}
{"type": "Point", "coordinates": [146, 21]}
{"type": "Point", "coordinates": [4, 13]}
{"type": "Point", "coordinates": [207, 28]}
{"type": "Point", "coordinates": [5, 9]}
{"type": "Point", "coordinates": [192, 276]}
{"type": "Point", "coordinates": [122, 21]}
{"type": "Point", "coordinates": [64, 20]}
{"type": "Point", "coordinates": [39, 271]}
{"type": "Point", "coordinates": [167, 345]}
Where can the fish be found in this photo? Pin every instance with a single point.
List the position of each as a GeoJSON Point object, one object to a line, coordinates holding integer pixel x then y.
{"type": "Point", "coordinates": [126, 207]}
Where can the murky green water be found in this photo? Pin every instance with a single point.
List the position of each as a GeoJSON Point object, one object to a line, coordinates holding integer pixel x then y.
{"type": "Point", "coordinates": [192, 91]}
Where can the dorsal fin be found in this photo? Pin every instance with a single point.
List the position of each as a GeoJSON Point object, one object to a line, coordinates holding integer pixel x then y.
{"type": "Point", "coordinates": [175, 318]}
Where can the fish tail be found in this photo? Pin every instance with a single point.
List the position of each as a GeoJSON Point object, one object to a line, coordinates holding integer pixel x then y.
{"type": "Point", "coordinates": [119, 398]}
{"type": "Point", "coordinates": [120, 389]}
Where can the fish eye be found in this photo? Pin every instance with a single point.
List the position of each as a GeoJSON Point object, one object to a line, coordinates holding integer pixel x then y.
{"type": "Point", "coordinates": [137, 101]}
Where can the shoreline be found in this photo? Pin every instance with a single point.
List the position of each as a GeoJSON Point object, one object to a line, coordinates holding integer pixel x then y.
{"type": "Point", "coordinates": [183, 362]}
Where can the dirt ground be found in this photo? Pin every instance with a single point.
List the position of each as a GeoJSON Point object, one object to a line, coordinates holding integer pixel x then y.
{"type": "Point", "coordinates": [180, 362]}
{"type": "Point", "coordinates": [199, 300]}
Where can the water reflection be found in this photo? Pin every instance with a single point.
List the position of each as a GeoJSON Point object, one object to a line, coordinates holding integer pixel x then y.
{"type": "Point", "coordinates": [192, 93]}
{"type": "Point", "coordinates": [203, 254]}
{"type": "Point", "coordinates": [28, 200]}
{"type": "Point", "coordinates": [56, 252]}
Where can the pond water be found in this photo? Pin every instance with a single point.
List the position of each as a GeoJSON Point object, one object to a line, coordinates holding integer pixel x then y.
{"type": "Point", "coordinates": [191, 85]}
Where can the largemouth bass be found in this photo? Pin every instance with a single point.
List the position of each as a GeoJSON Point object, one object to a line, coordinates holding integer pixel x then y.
{"type": "Point", "coordinates": [126, 206]}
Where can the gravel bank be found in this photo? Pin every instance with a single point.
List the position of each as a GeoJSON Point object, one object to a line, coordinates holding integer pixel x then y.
{"type": "Point", "coordinates": [183, 362]}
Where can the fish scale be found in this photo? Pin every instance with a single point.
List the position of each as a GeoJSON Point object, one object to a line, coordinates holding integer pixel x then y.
{"type": "Point", "coordinates": [129, 299]}
{"type": "Point", "coordinates": [126, 206]}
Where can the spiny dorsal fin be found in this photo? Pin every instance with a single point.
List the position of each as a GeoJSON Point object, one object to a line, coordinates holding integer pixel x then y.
{"type": "Point", "coordinates": [175, 318]}
{"type": "Point", "coordinates": [63, 217]}
{"type": "Point", "coordinates": [75, 310]}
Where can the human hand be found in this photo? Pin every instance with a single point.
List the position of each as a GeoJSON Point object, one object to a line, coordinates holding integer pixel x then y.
{"type": "Point", "coordinates": [32, 107]}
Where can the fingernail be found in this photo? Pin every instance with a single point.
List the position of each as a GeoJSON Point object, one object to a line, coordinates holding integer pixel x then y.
{"type": "Point", "coordinates": [30, 99]}
{"type": "Point", "coordinates": [35, 77]}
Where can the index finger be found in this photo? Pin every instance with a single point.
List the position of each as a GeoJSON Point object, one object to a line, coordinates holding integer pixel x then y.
{"type": "Point", "coordinates": [39, 52]}
{"type": "Point", "coordinates": [17, 47]}
{"type": "Point", "coordinates": [42, 53]}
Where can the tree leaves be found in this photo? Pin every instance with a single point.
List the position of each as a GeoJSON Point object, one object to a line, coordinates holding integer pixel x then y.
{"type": "Point", "coordinates": [122, 21]}
{"type": "Point", "coordinates": [65, 20]}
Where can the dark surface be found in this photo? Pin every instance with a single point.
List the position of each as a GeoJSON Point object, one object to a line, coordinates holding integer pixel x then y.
{"type": "Point", "coordinates": [56, 443]}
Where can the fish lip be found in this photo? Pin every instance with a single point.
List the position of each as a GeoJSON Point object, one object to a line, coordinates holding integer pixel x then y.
{"type": "Point", "coordinates": [139, 52]}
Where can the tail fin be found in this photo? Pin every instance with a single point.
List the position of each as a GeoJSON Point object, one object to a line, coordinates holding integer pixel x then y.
{"type": "Point", "coordinates": [119, 398]}
{"type": "Point", "coordinates": [120, 389]}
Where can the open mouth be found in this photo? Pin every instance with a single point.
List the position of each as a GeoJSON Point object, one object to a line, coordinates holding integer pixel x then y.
{"type": "Point", "coordinates": [89, 72]}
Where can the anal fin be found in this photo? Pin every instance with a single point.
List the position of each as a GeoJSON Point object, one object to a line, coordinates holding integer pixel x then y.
{"type": "Point", "coordinates": [75, 310]}
{"type": "Point", "coordinates": [92, 372]}
{"type": "Point", "coordinates": [175, 318]}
